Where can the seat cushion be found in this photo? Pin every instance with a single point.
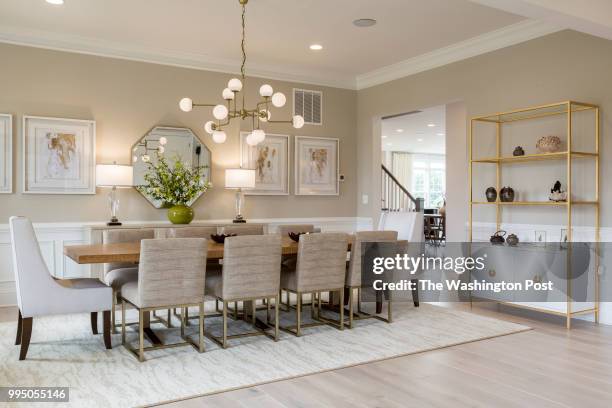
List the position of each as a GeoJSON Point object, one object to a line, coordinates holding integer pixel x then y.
{"type": "Point", "coordinates": [116, 278]}
{"type": "Point", "coordinates": [129, 292]}
{"type": "Point", "coordinates": [214, 283]}
{"type": "Point", "coordinates": [80, 283]}
{"type": "Point", "coordinates": [288, 279]}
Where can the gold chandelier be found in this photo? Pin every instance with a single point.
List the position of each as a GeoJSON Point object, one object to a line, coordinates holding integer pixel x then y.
{"type": "Point", "coordinates": [225, 113]}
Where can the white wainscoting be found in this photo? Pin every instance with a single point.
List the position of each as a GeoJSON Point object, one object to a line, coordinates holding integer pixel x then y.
{"type": "Point", "coordinates": [54, 236]}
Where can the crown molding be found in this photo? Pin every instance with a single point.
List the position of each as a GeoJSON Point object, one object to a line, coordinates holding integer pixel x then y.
{"type": "Point", "coordinates": [491, 41]}
{"type": "Point", "coordinates": [103, 48]}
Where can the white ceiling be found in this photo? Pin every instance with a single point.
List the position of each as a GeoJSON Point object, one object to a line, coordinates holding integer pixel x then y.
{"type": "Point", "coordinates": [206, 33]}
{"type": "Point", "coordinates": [416, 136]}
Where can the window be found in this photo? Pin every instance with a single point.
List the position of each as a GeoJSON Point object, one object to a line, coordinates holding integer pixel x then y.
{"type": "Point", "coordinates": [429, 179]}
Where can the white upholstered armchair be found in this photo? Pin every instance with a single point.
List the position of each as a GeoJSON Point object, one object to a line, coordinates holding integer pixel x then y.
{"type": "Point", "coordinates": [39, 294]}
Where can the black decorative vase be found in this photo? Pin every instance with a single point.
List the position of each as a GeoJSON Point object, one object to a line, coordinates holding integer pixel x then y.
{"type": "Point", "coordinates": [491, 194]}
{"type": "Point", "coordinates": [518, 151]}
{"type": "Point", "coordinates": [506, 194]}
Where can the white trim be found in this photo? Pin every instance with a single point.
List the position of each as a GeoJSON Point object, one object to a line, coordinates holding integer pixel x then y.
{"type": "Point", "coordinates": [111, 49]}
{"type": "Point", "coordinates": [9, 155]}
{"type": "Point", "coordinates": [504, 37]}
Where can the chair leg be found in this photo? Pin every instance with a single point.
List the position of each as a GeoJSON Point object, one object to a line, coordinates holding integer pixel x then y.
{"type": "Point", "coordinates": [122, 321]}
{"type": "Point", "coordinates": [298, 314]}
{"type": "Point", "coordinates": [113, 310]}
{"type": "Point", "coordinates": [225, 323]}
{"type": "Point", "coordinates": [186, 311]}
{"type": "Point", "coordinates": [201, 332]}
{"type": "Point", "coordinates": [106, 317]}
{"type": "Point", "coordinates": [276, 312]}
{"type": "Point", "coordinates": [389, 314]}
{"type": "Point", "coordinates": [169, 318]}
{"type": "Point", "coordinates": [26, 333]}
{"type": "Point", "coordinates": [350, 296]}
{"type": "Point", "coordinates": [268, 312]}
{"type": "Point", "coordinates": [94, 322]}
{"type": "Point", "coordinates": [236, 311]}
{"type": "Point", "coordinates": [183, 319]}
{"type": "Point", "coordinates": [140, 336]}
{"type": "Point", "coordinates": [415, 292]}
{"type": "Point", "coordinates": [341, 308]}
{"type": "Point", "coordinates": [359, 300]}
{"type": "Point", "coordinates": [19, 321]}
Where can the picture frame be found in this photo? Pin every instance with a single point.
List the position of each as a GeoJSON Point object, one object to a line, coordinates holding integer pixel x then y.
{"type": "Point", "coordinates": [59, 155]}
{"type": "Point", "coordinates": [271, 161]}
{"type": "Point", "coordinates": [6, 153]}
{"type": "Point", "coordinates": [317, 166]}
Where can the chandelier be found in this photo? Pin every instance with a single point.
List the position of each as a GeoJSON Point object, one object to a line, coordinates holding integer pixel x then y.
{"type": "Point", "coordinates": [224, 113]}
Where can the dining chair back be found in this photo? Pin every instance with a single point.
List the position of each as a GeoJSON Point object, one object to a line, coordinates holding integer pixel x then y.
{"type": "Point", "coordinates": [113, 236]}
{"type": "Point", "coordinates": [192, 232]}
{"type": "Point", "coordinates": [321, 262]}
{"type": "Point", "coordinates": [242, 229]}
{"type": "Point", "coordinates": [353, 272]}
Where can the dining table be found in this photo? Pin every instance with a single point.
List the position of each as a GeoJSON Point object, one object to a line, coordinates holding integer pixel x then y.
{"type": "Point", "coordinates": [130, 252]}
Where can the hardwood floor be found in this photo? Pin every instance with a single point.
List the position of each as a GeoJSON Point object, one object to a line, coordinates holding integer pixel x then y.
{"type": "Point", "coordinates": [544, 367]}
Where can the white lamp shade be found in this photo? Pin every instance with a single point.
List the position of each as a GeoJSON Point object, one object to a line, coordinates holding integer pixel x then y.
{"type": "Point", "coordinates": [186, 104]}
{"type": "Point", "coordinates": [259, 135]}
{"type": "Point", "coordinates": [220, 112]}
{"type": "Point", "coordinates": [228, 94]}
{"type": "Point", "coordinates": [279, 99]}
{"type": "Point", "coordinates": [114, 175]}
{"type": "Point", "coordinates": [266, 90]}
{"type": "Point", "coordinates": [240, 178]}
{"type": "Point", "coordinates": [209, 127]}
{"type": "Point", "coordinates": [219, 136]}
{"type": "Point", "coordinates": [298, 122]}
{"type": "Point", "coordinates": [235, 85]}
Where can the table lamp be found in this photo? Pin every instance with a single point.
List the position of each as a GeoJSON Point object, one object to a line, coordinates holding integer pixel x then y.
{"type": "Point", "coordinates": [239, 179]}
{"type": "Point", "coordinates": [114, 176]}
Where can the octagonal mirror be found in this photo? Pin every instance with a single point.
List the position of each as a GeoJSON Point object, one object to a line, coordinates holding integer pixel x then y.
{"type": "Point", "coordinates": [173, 144]}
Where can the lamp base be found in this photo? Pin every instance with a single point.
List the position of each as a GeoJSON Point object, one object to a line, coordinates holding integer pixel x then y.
{"type": "Point", "coordinates": [239, 219]}
{"type": "Point", "coordinates": [114, 222]}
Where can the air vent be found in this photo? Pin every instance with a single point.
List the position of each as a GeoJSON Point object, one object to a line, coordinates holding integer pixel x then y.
{"type": "Point", "coordinates": [308, 104]}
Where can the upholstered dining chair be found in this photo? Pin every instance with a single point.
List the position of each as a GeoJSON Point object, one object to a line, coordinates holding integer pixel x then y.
{"type": "Point", "coordinates": [119, 273]}
{"type": "Point", "coordinates": [353, 271]}
{"type": "Point", "coordinates": [39, 294]}
{"type": "Point", "coordinates": [171, 274]}
{"type": "Point", "coordinates": [251, 271]}
{"type": "Point", "coordinates": [242, 229]}
{"type": "Point", "coordinates": [321, 265]}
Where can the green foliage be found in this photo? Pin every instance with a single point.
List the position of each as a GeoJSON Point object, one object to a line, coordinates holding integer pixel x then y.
{"type": "Point", "coordinates": [174, 185]}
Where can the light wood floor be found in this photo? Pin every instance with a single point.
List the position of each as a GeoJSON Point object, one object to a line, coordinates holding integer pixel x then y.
{"type": "Point", "coordinates": [544, 367]}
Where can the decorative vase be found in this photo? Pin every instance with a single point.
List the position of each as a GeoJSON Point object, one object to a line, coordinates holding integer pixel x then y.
{"type": "Point", "coordinates": [180, 214]}
{"type": "Point", "coordinates": [506, 194]}
{"type": "Point", "coordinates": [491, 194]}
{"type": "Point", "coordinates": [548, 144]}
{"type": "Point", "coordinates": [518, 151]}
{"type": "Point", "coordinates": [512, 240]}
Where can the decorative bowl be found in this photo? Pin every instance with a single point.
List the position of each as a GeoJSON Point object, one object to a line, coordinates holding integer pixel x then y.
{"type": "Point", "coordinates": [296, 235]}
{"type": "Point", "coordinates": [548, 144]}
{"type": "Point", "coordinates": [220, 238]}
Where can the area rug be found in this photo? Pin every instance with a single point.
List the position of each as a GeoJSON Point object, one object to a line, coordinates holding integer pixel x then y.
{"type": "Point", "coordinates": [63, 352]}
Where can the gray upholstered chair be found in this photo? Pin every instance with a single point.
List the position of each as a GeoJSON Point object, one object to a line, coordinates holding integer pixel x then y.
{"type": "Point", "coordinates": [119, 273]}
{"type": "Point", "coordinates": [321, 266]}
{"type": "Point", "coordinates": [39, 294]}
{"type": "Point", "coordinates": [242, 229]}
{"type": "Point", "coordinates": [284, 230]}
{"type": "Point", "coordinates": [192, 232]}
{"type": "Point", "coordinates": [251, 271]}
{"type": "Point", "coordinates": [171, 274]}
{"type": "Point", "coordinates": [353, 271]}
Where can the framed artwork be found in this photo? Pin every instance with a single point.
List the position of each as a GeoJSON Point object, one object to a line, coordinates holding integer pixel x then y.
{"type": "Point", "coordinates": [6, 153]}
{"type": "Point", "coordinates": [59, 156]}
{"type": "Point", "coordinates": [317, 166]}
{"type": "Point", "coordinates": [270, 159]}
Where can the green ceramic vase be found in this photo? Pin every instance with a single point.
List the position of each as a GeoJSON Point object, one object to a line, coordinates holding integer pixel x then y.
{"type": "Point", "coordinates": [180, 214]}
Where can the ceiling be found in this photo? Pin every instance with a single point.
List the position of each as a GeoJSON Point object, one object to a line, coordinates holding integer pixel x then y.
{"type": "Point", "coordinates": [411, 133]}
{"type": "Point", "coordinates": [206, 33]}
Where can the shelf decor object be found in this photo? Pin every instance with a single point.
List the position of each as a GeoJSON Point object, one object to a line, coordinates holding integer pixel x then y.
{"type": "Point", "coordinates": [114, 176]}
{"type": "Point", "coordinates": [566, 110]}
{"type": "Point", "coordinates": [6, 153]}
{"type": "Point", "coordinates": [239, 180]}
{"type": "Point", "coordinates": [258, 114]}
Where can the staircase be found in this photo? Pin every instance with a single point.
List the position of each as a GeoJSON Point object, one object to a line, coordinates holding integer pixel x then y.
{"type": "Point", "coordinates": [395, 197]}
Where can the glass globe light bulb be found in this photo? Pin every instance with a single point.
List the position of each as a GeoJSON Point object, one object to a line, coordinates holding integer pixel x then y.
{"type": "Point", "coordinates": [208, 127]}
{"type": "Point", "coordinates": [186, 104]}
{"type": "Point", "coordinates": [228, 95]}
{"type": "Point", "coordinates": [220, 112]}
{"type": "Point", "coordinates": [250, 139]}
{"type": "Point", "coordinates": [163, 141]}
{"type": "Point", "coordinates": [279, 99]}
{"type": "Point", "coordinates": [298, 122]}
{"type": "Point", "coordinates": [219, 136]}
{"type": "Point", "coordinates": [259, 135]}
{"type": "Point", "coordinates": [266, 90]}
{"type": "Point", "coordinates": [235, 85]}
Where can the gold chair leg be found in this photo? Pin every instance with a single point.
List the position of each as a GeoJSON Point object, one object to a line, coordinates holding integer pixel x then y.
{"type": "Point", "coordinates": [122, 321]}
{"type": "Point", "coordinates": [225, 324]}
{"type": "Point", "coordinates": [351, 308]}
{"type": "Point", "coordinates": [298, 310]}
{"type": "Point", "coordinates": [341, 308]}
{"type": "Point", "coordinates": [276, 313]}
{"type": "Point", "coordinates": [140, 336]}
{"type": "Point", "coordinates": [201, 332]}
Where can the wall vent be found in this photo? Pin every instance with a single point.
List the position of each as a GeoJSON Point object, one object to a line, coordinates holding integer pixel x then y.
{"type": "Point", "coordinates": [309, 104]}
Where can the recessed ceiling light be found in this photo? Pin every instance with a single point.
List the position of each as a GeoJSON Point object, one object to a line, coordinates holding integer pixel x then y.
{"type": "Point", "coordinates": [419, 139]}
{"type": "Point", "coordinates": [440, 134]}
{"type": "Point", "coordinates": [399, 130]}
{"type": "Point", "coordinates": [316, 47]}
{"type": "Point", "coordinates": [55, 2]}
{"type": "Point", "coordinates": [384, 136]}
{"type": "Point", "coordinates": [364, 22]}
{"type": "Point", "coordinates": [431, 124]}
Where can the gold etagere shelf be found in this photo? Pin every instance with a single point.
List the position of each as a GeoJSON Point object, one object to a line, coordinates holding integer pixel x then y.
{"type": "Point", "coordinates": [566, 108]}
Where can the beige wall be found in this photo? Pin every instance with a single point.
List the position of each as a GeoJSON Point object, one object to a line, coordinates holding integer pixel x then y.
{"type": "Point", "coordinates": [561, 66]}
{"type": "Point", "coordinates": [127, 99]}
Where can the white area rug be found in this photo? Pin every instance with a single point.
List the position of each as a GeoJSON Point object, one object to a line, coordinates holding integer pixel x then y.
{"type": "Point", "coordinates": [63, 352]}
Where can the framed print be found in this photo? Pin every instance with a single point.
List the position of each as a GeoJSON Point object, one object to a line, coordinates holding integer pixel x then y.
{"type": "Point", "coordinates": [6, 153]}
{"type": "Point", "coordinates": [270, 159]}
{"type": "Point", "coordinates": [59, 156]}
{"type": "Point", "coordinates": [316, 166]}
